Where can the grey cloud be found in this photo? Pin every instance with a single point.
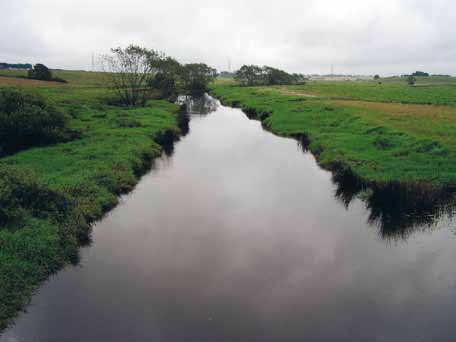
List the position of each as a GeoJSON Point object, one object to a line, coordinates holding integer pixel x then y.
{"type": "Point", "coordinates": [370, 36]}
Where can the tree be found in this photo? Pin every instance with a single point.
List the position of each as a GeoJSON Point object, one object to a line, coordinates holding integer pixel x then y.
{"type": "Point", "coordinates": [252, 75]}
{"type": "Point", "coordinates": [249, 75]}
{"type": "Point", "coordinates": [40, 72]}
{"type": "Point", "coordinates": [167, 73]}
{"type": "Point", "coordinates": [411, 80]}
{"type": "Point", "coordinates": [196, 78]}
{"type": "Point", "coordinates": [376, 77]}
{"type": "Point", "coordinates": [130, 71]}
{"type": "Point", "coordinates": [420, 73]}
{"type": "Point", "coordinates": [273, 76]}
{"type": "Point", "coordinates": [299, 79]}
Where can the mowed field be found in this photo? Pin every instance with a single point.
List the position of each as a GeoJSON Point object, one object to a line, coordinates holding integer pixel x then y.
{"type": "Point", "coordinates": [382, 132]}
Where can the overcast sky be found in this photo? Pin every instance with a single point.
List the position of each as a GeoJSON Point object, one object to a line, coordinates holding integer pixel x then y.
{"type": "Point", "coordinates": [357, 36]}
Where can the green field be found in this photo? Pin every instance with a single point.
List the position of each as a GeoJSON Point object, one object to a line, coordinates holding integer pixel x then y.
{"type": "Point", "coordinates": [74, 77]}
{"type": "Point", "coordinates": [422, 93]}
{"type": "Point", "coordinates": [382, 133]}
{"type": "Point", "coordinates": [52, 194]}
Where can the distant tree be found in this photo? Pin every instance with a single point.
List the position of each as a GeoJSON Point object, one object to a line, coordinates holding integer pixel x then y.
{"type": "Point", "coordinates": [273, 76]}
{"type": "Point", "coordinates": [376, 77]}
{"type": "Point", "coordinates": [420, 74]}
{"type": "Point", "coordinates": [40, 72]}
{"type": "Point", "coordinates": [196, 78]}
{"type": "Point", "coordinates": [252, 75]}
{"type": "Point", "coordinates": [299, 78]}
{"type": "Point", "coordinates": [249, 75]}
{"type": "Point", "coordinates": [130, 71]}
{"type": "Point", "coordinates": [411, 80]}
{"type": "Point", "coordinates": [15, 66]}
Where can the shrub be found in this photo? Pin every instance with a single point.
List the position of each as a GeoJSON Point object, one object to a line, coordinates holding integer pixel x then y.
{"type": "Point", "coordinates": [40, 72]}
{"type": "Point", "coordinates": [27, 119]}
{"type": "Point", "coordinates": [21, 191]}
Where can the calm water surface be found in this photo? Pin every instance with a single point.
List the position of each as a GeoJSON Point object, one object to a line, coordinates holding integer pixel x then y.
{"type": "Point", "coordinates": [240, 236]}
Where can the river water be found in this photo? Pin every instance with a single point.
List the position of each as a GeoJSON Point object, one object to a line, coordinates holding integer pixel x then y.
{"type": "Point", "coordinates": [238, 235]}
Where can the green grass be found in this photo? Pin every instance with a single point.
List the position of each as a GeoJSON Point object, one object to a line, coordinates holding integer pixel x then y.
{"type": "Point", "coordinates": [400, 92]}
{"type": "Point", "coordinates": [74, 77]}
{"type": "Point", "coordinates": [51, 194]}
{"type": "Point", "coordinates": [420, 80]}
{"type": "Point", "coordinates": [373, 140]}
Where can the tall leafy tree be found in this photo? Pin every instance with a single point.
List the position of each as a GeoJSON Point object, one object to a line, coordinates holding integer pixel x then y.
{"type": "Point", "coordinates": [196, 78]}
{"type": "Point", "coordinates": [249, 75]}
{"type": "Point", "coordinates": [131, 71]}
{"type": "Point", "coordinates": [167, 74]}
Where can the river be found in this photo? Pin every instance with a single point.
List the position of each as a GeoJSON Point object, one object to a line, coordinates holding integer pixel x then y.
{"type": "Point", "coordinates": [238, 235]}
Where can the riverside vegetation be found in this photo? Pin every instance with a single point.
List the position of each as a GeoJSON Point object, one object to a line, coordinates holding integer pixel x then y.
{"type": "Point", "coordinates": [86, 143]}
{"type": "Point", "coordinates": [67, 152]}
{"type": "Point", "coordinates": [381, 133]}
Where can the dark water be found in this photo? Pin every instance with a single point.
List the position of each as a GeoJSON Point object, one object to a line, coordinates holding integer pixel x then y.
{"type": "Point", "coordinates": [240, 236]}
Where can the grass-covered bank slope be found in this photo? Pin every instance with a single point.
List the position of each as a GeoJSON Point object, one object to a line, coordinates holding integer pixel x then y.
{"type": "Point", "coordinates": [50, 195]}
{"type": "Point", "coordinates": [378, 144]}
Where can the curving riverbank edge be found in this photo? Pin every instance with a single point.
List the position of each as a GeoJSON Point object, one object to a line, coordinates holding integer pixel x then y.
{"type": "Point", "coordinates": [394, 204]}
{"type": "Point", "coordinates": [50, 235]}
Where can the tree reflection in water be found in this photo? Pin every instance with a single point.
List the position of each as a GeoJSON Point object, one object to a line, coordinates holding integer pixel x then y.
{"type": "Point", "coordinates": [397, 210]}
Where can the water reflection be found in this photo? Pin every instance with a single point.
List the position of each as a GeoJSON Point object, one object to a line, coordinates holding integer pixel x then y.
{"type": "Point", "coordinates": [397, 210]}
{"type": "Point", "coordinates": [238, 237]}
{"type": "Point", "coordinates": [198, 105]}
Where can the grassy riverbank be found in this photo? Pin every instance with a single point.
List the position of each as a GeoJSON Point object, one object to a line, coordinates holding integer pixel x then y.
{"type": "Point", "coordinates": [51, 194]}
{"type": "Point", "coordinates": [365, 128]}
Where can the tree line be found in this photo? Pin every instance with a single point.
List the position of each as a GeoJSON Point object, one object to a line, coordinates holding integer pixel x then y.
{"type": "Point", "coordinates": [15, 66]}
{"type": "Point", "coordinates": [253, 75]}
{"type": "Point", "coordinates": [136, 72]}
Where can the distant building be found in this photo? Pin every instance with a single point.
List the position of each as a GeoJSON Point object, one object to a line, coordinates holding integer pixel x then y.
{"type": "Point", "coordinates": [340, 78]}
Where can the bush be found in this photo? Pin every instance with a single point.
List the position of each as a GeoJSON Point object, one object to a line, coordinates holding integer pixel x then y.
{"type": "Point", "coordinates": [27, 120]}
{"type": "Point", "coordinates": [21, 191]}
{"type": "Point", "coordinates": [40, 72]}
